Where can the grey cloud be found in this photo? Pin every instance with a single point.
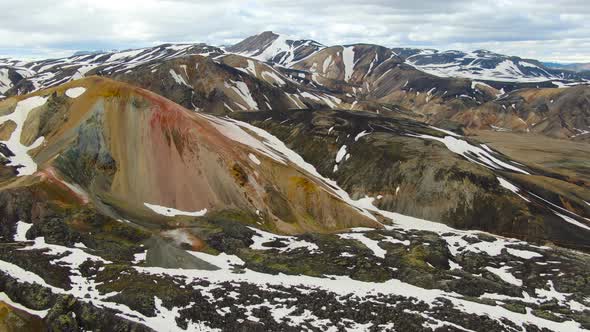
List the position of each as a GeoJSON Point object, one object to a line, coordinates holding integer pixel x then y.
{"type": "Point", "coordinates": [550, 30]}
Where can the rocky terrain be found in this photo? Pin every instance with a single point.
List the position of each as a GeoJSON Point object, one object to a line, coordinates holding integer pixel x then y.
{"type": "Point", "coordinates": [434, 174]}
{"type": "Point", "coordinates": [284, 185]}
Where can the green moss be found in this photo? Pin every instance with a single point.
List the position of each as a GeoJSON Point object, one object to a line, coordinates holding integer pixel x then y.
{"type": "Point", "coordinates": [416, 257]}
{"type": "Point", "coordinates": [54, 115]}
{"type": "Point", "coordinates": [268, 261]}
{"type": "Point", "coordinates": [547, 315]}
{"type": "Point", "coordinates": [137, 291]}
{"type": "Point", "coordinates": [519, 308]}
{"type": "Point", "coordinates": [88, 160]}
{"type": "Point", "coordinates": [111, 272]}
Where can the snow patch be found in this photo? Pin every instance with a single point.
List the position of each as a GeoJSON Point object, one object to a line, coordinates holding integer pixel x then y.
{"type": "Point", "coordinates": [348, 60]}
{"type": "Point", "coordinates": [369, 243]}
{"type": "Point", "coordinates": [340, 154]}
{"type": "Point", "coordinates": [261, 237]}
{"type": "Point", "coordinates": [19, 116]}
{"type": "Point", "coordinates": [503, 273]}
{"type": "Point", "coordinates": [472, 153]}
{"type": "Point", "coordinates": [21, 231]}
{"type": "Point", "coordinates": [75, 92]}
{"type": "Point", "coordinates": [448, 132]}
{"type": "Point", "coordinates": [242, 90]}
{"type": "Point", "coordinates": [571, 220]}
{"type": "Point", "coordinates": [526, 254]}
{"type": "Point", "coordinates": [361, 134]}
{"type": "Point", "coordinates": [254, 159]}
{"type": "Point", "coordinates": [178, 78]}
{"type": "Point", "coordinates": [507, 185]}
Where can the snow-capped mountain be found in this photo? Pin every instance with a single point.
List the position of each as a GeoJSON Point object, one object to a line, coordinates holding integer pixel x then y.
{"type": "Point", "coordinates": [347, 63]}
{"type": "Point", "coordinates": [484, 65]}
{"type": "Point", "coordinates": [36, 75]}
{"type": "Point", "coordinates": [306, 74]}
{"type": "Point", "coordinates": [275, 48]}
{"type": "Point", "coordinates": [576, 67]}
{"type": "Point", "coordinates": [12, 71]}
{"type": "Point", "coordinates": [479, 64]}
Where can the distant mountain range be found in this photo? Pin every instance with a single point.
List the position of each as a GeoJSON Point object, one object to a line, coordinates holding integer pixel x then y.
{"type": "Point", "coordinates": [577, 67]}
{"type": "Point", "coordinates": [361, 76]}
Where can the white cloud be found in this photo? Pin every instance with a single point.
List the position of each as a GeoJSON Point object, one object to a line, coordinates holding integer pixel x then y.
{"type": "Point", "coordinates": [549, 30]}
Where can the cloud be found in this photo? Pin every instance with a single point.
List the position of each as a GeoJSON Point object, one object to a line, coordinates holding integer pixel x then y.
{"type": "Point", "coordinates": [549, 30]}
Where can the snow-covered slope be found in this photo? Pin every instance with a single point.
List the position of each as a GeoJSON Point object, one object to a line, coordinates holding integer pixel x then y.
{"type": "Point", "coordinates": [47, 73]}
{"type": "Point", "coordinates": [483, 65]}
{"type": "Point", "coordinates": [11, 72]}
{"type": "Point", "coordinates": [350, 64]}
{"type": "Point", "coordinates": [279, 49]}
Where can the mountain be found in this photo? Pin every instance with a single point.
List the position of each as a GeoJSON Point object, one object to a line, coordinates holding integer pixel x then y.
{"type": "Point", "coordinates": [576, 67]}
{"type": "Point", "coordinates": [43, 74]}
{"type": "Point", "coordinates": [486, 65]}
{"type": "Point", "coordinates": [234, 83]}
{"type": "Point", "coordinates": [351, 63]}
{"type": "Point", "coordinates": [479, 64]}
{"type": "Point", "coordinates": [282, 185]}
{"type": "Point", "coordinates": [399, 161]}
{"type": "Point", "coordinates": [562, 113]}
{"type": "Point", "coordinates": [275, 48]}
{"type": "Point", "coordinates": [508, 72]}
{"type": "Point", "coordinates": [143, 215]}
{"type": "Point", "coordinates": [11, 72]}
{"type": "Point", "coordinates": [177, 143]}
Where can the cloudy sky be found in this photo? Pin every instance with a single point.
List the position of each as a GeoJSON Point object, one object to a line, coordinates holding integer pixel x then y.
{"type": "Point", "coordinates": [556, 30]}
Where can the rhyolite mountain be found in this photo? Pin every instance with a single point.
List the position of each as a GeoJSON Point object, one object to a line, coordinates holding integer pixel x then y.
{"type": "Point", "coordinates": [284, 185]}
{"type": "Point", "coordinates": [192, 159]}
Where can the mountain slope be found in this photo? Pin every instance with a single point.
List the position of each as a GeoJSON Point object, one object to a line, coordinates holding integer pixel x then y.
{"type": "Point", "coordinates": [349, 63]}
{"type": "Point", "coordinates": [485, 65]}
{"type": "Point", "coordinates": [131, 149]}
{"type": "Point", "coordinates": [458, 182]}
{"type": "Point", "coordinates": [11, 73]}
{"type": "Point", "coordinates": [275, 48]}
{"type": "Point", "coordinates": [52, 72]}
{"type": "Point", "coordinates": [561, 113]}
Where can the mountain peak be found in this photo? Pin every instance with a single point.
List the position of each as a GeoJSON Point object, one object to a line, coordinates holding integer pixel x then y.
{"type": "Point", "coordinates": [267, 33]}
{"type": "Point", "coordinates": [277, 48]}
